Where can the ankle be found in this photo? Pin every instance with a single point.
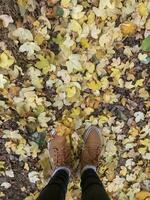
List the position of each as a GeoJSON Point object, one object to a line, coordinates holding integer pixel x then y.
{"type": "Point", "coordinates": [66, 169]}
{"type": "Point", "coordinates": [88, 167]}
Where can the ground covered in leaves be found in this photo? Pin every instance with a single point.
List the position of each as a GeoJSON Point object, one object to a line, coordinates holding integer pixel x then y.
{"type": "Point", "coordinates": [65, 65]}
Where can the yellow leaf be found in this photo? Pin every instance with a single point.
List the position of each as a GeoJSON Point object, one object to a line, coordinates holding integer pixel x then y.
{"type": "Point", "coordinates": [69, 195]}
{"type": "Point", "coordinates": [36, 23]}
{"type": "Point", "coordinates": [2, 194]}
{"type": "Point", "coordinates": [143, 93]}
{"type": "Point", "coordinates": [32, 196]}
{"type": "Point", "coordinates": [39, 38]}
{"type": "Point", "coordinates": [40, 129]}
{"type": "Point", "coordinates": [75, 112]}
{"type": "Point", "coordinates": [90, 67]}
{"type": "Point", "coordinates": [6, 60]}
{"type": "Point", "coordinates": [100, 54]}
{"type": "Point", "coordinates": [142, 9]}
{"type": "Point", "coordinates": [147, 104]}
{"type": "Point", "coordinates": [128, 28]}
{"type": "Point", "coordinates": [2, 163]}
{"type": "Point", "coordinates": [134, 131]}
{"type": "Point", "coordinates": [123, 171]}
{"type": "Point", "coordinates": [84, 42]}
{"type": "Point", "coordinates": [62, 129]}
{"type": "Point", "coordinates": [139, 82]}
{"type": "Point", "coordinates": [142, 150]}
{"type": "Point", "coordinates": [88, 111]}
{"type": "Point", "coordinates": [91, 17]}
{"type": "Point", "coordinates": [109, 97]}
{"type": "Point", "coordinates": [92, 102]}
{"type": "Point", "coordinates": [65, 3]}
{"type": "Point", "coordinates": [103, 119]}
{"type": "Point", "coordinates": [94, 85]}
{"type": "Point", "coordinates": [45, 164]}
{"type": "Point", "coordinates": [26, 166]}
{"type": "Point", "coordinates": [145, 142]}
{"type": "Point", "coordinates": [104, 82]}
{"type": "Point", "coordinates": [67, 121]}
{"type": "Point", "coordinates": [142, 195]}
{"type": "Point", "coordinates": [75, 26]}
{"type": "Point", "coordinates": [43, 63]}
{"type": "Point", "coordinates": [71, 91]}
{"type": "Point", "coordinates": [115, 74]}
{"type": "Point", "coordinates": [23, 3]}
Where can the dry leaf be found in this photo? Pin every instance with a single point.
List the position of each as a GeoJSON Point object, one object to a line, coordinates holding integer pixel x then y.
{"type": "Point", "coordinates": [142, 195]}
{"type": "Point", "coordinates": [128, 28]}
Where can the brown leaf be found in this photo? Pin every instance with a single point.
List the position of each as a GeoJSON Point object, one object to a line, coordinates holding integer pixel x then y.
{"type": "Point", "coordinates": [128, 28]}
{"type": "Point", "coordinates": [14, 91]}
{"type": "Point", "coordinates": [92, 102]}
{"type": "Point", "coordinates": [142, 195]}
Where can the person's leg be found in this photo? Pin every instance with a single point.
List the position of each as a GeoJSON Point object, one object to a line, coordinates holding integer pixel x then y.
{"type": "Point", "coordinates": [56, 188]}
{"type": "Point", "coordinates": [60, 157]}
{"type": "Point", "coordinates": [92, 187]}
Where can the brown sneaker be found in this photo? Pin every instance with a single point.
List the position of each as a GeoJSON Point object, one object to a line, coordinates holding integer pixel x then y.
{"type": "Point", "coordinates": [59, 152]}
{"type": "Point", "coordinates": [92, 147]}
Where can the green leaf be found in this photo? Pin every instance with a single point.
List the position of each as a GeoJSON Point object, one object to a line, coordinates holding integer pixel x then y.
{"type": "Point", "coordinates": [146, 44]}
{"type": "Point", "coordinates": [39, 138]}
{"type": "Point", "coordinates": [39, 109]}
{"type": "Point", "coordinates": [59, 11]}
{"type": "Point", "coordinates": [43, 63]}
{"type": "Point", "coordinates": [58, 40]}
{"type": "Point", "coordinates": [146, 61]}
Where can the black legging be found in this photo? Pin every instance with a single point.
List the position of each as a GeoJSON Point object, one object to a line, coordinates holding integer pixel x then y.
{"type": "Point", "coordinates": [92, 187]}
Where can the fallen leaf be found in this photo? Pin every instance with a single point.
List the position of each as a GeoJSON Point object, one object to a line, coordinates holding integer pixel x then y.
{"type": "Point", "coordinates": [6, 20]}
{"type": "Point", "coordinates": [75, 26]}
{"type": "Point", "coordinates": [73, 64]}
{"type": "Point", "coordinates": [65, 3]}
{"type": "Point", "coordinates": [30, 48]}
{"type": "Point", "coordinates": [84, 42]}
{"type": "Point", "coordinates": [6, 60]}
{"type": "Point", "coordinates": [142, 195]}
{"type": "Point", "coordinates": [24, 35]}
{"type": "Point", "coordinates": [142, 9]}
{"type": "Point", "coordinates": [43, 63]}
{"type": "Point", "coordinates": [94, 85]}
{"type": "Point", "coordinates": [33, 176]}
{"type": "Point", "coordinates": [43, 119]}
{"type": "Point", "coordinates": [6, 185]}
{"type": "Point", "coordinates": [10, 173]}
{"type": "Point", "coordinates": [138, 116]}
{"type": "Point", "coordinates": [146, 44]}
{"type": "Point", "coordinates": [128, 28]}
{"type": "Point", "coordinates": [3, 81]}
{"type": "Point", "coordinates": [70, 91]}
{"type": "Point", "coordinates": [139, 83]}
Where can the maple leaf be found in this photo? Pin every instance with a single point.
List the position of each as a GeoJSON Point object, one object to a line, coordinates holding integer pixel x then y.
{"type": "Point", "coordinates": [142, 9]}
{"type": "Point", "coordinates": [6, 60]}
{"type": "Point", "coordinates": [6, 20]}
{"type": "Point", "coordinates": [128, 28]}
{"type": "Point", "coordinates": [74, 63]}
{"type": "Point", "coordinates": [43, 63]}
{"type": "Point", "coordinates": [30, 48]}
{"type": "Point", "coordinates": [146, 44]}
{"type": "Point", "coordinates": [23, 35]}
{"type": "Point", "coordinates": [75, 26]}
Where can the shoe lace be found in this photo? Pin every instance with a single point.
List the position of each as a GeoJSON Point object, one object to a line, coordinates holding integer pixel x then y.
{"type": "Point", "coordinates": [96, 149]}
{"type": "Point", "coordinates": [60, 156]}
